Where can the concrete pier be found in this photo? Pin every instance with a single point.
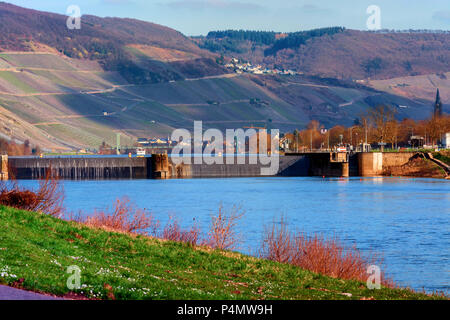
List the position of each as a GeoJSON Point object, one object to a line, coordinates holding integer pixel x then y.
{"type": "Point", "coordinates": [372, 164]}
{"type": "Point", "coordinates": [4, 168]}
{"type": "Point", "coordinates": [160, 166]}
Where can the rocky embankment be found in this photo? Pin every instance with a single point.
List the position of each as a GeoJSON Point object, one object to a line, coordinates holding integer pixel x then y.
{"type": "Point", "coordinates": [424, 165]}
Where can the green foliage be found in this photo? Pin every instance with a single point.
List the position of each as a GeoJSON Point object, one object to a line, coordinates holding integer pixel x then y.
{"type": "Point", "coordinates": [373, 66]}
{"type": "Point", "coordinates": [296, 39]}
{"type": "Point", "coordinates": [442, 156]}
{"type": "Point", "coordinates": [259, 37]}
{"type": "Point", "coordinates": [222, 46]}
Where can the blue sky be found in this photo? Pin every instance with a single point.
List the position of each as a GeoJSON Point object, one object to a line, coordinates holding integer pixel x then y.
{"type": "Point", "coordinates": [195, 17]}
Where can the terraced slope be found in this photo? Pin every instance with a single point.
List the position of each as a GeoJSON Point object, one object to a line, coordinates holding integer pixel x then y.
{"type": "Point", "coordinates": [73, 105]}
{"type": "Point", "coordinates": [62, 103]}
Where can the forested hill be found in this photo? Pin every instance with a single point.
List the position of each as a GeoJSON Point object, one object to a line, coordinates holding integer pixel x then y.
{"type": "Point", "coordinates": [338, 52]}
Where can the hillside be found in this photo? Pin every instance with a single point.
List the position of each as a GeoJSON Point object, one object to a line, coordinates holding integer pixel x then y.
{"type": "Point", "coordinates": [66, 90]}
{"type": "Point", "coordinates": [36, 251]}
{"type": "Point", "coordinates": [62, 103]}
{"type": "Point", "coordinates": [340, 53]}
{"type": "Point", "coordinates": [96, 38]}
{"type": "Point", "coordinates": [416, 87]}
{"type": "Point", "coordinates": [105, 40]}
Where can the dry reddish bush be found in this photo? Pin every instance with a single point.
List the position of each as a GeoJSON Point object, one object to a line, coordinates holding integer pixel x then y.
{"type": "Point", "coordinates": [327, 256]}
{"type": "Point", "coordinates": [124, 217]}
{"type": "Point", "coordinates": [222, 234]}
{"type": "Point", "coordinates": [173, 232]}
{"type": "Point", "coordinates": [48, 198]}
{"type": "Point", "coordinates": [20, 199]}
{"type": "Point", "coordinates": [51, 196]}
{"type": "Point", "coordinates": [277, 245]}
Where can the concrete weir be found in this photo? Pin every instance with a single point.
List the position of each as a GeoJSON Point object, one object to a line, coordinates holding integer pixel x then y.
{"type": "Point", "coordinates": [161, 166]}
{"type": "Point", "coordinates": [308, 164]}
{"type": "Point", "coordinates": [80, 167]}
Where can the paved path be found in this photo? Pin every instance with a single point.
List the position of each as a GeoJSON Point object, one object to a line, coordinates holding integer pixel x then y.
{"type": "Point", "coordinates": [8, 293]}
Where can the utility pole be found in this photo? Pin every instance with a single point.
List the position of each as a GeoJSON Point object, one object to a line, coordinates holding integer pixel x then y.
{"type": "Point", "coordinates": [351, 136]}
{"type": "Point", "coordinates": [311, 140]}
{"type": "Point", "coordinates": [118, 143]}
{"type": "Point", "coordinates": [365, 131]}
{"type": "Point", "coordinates": [328, 140]}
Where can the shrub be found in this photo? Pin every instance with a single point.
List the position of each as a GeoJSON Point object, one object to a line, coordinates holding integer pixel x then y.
{"type": "Point", "coordinates": [222, 234]}
{"type": "Point", "coordinates": [124, 217]}
{"type": "Point", "coordinates": [173, 232]}
{"type": "Point", "coordinates": [48, 198]}
{"type": "Point", "coordinates": [327, 256]}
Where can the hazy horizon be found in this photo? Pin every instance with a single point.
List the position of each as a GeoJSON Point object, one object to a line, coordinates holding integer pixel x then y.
{"type": "Point", "coordinates": [198, 17]}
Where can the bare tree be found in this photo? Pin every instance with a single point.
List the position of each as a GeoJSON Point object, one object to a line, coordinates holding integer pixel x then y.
{"type": "Point", "coordinates": [380, 117]}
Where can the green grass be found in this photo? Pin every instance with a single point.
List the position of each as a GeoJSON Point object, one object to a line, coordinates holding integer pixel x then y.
{"type": "Point", "coordinates": [39, 249]}
{"type": "Point", "coordinates": [12, 78]}
{"type": "Point", "coordinates": [443, 157]}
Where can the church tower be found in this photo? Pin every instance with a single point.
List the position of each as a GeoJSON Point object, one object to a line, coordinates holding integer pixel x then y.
{"type": "Point", "coordinates": [438, 105]}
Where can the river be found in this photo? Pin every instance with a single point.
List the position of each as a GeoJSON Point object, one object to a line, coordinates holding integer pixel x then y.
{"type": "Point", "coordinates": [404, 220]}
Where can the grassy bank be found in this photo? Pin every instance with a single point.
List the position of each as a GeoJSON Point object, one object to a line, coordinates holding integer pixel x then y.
{"type": "Point", "coordinates": [36, 250]}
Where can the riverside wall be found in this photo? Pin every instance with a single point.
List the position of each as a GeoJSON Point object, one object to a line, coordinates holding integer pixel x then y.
{"type": "Point", "coordinates": [376, 163]}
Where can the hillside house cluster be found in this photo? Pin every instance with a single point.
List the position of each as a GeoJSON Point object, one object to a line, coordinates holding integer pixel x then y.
{"type": "Point", "coordinates": [155, 142]}
{"type": "Point", "coordinates": [258, 69]}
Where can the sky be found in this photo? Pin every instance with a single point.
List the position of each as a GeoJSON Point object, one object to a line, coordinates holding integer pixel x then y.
{"type": "Point", "coordinates": [197, 17]}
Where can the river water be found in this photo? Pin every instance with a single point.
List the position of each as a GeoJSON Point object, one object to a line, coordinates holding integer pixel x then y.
{"type": "Point", "coordinates": [406, 221]}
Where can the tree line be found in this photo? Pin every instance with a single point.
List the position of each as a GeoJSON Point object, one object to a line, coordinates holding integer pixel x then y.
{"type": "Point", "coordinates": [377, 125]}
{"type": "Point", "coordinates": [18, 149]}
{"type": "Point", "coordinates": [296, 39]}
{"type": "Point", "coordinates": [260, 37]}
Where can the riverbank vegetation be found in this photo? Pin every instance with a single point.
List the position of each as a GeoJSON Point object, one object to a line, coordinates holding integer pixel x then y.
{"type": "Point", "coordinates": [36, 250]}
{"type": "Point", "coordinates": [124, 253]}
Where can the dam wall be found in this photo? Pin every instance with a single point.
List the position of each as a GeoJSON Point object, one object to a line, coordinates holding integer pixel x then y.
{"type": "Point", "coordinates": [239, 167]}
{"type": "Point", "coordinates": [328, 164]}
{"type": "Point", "coordinates": [80, 167]}
{"type": "Point", "coordinates": [161, 166]}
{"type": "Point", "coordinates": [291, 165]}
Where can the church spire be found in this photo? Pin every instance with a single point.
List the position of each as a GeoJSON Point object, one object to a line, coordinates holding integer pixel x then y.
{"type": "Point", "coordinates": [438, 105]}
